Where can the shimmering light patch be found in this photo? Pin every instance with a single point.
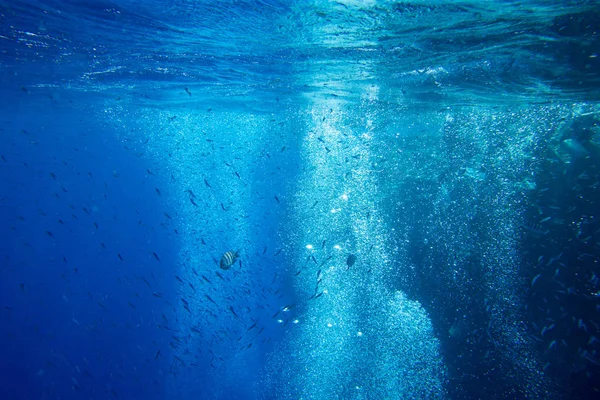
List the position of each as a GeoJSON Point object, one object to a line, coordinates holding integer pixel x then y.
{"type": "Point", "coordinates": [344, 197]}
{"type": "Point", "coordinates": [295, 321]}
{"type": "Point", "coordinates": [309, 246]}
{"type": "Point", "coordinates": [334, 210]}
{"type": "Point", "coordinates": [280, 321]}
{"type": "Point", "coordinates": [329, 325]}
{"type": "Point", "coordinates": [337, 247]}
{"type": "Point", "coordinates": [359, 334]}
{"type": "Point", "coordinates": [358, 3]}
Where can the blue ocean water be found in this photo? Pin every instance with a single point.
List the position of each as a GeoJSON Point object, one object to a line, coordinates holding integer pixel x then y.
{"type": "Point", "coordinates": [412, 189]}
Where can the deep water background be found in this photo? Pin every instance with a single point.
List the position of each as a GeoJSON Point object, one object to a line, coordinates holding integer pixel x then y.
{"type": "Point", "coordinates": [452, 147]}
{"type": "Point", "coordinates": [65, 297]}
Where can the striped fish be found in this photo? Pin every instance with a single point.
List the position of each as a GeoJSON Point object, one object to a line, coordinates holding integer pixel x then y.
{"type": "Point", "coordinates": [228, 259]}
{"type": "Point", "coordinates": [535, 228]}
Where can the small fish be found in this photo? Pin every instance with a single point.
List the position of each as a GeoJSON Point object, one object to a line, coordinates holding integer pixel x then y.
{"type": "Point", "coordinates": [158, 191]}
{"type": "Point", "coordinates": [535, 278]}
{"type": "Point", "coordinates": [157, 355]}
{"type": "Point", "coordinates": [233, 312]}
{"type": "Point", "coordinates": [325, 260]}
{"type": "Point", "coordinates": [350, 261]}
{"type": "Point", "coordinates": [206, 279]}
{"type": "Point", "coordinates": [120, 257]}
{"type": "Point", "coordinates": [535, 228]}
{"type": "Point", "coordinates": [252, 327]}
{"type": "Point", "coordinates": [545, 220]}
{"type": "Point", "coordinates": [206, 183]}
{"type": "Point", "coordinates": [276, 199]}
{"type": "Point", "coordinates": [583, 256]}
{"type": "Point", "coordinates": [155, 256]}
{"type": "Point", "coordinates": [178, 278]}
{"type": "Point", "coordinates": [228, 259]}
{"type": "Point", "coordinates": [188, 91]}
{"type": "Point", "coordinates": [547, 328]}
{"type": "Point", "coordinates": [157, 294]}
{"type": "Point", "coordinates": [209, 299]}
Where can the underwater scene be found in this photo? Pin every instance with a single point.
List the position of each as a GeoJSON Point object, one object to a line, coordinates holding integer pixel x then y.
{"type": "Point", "coordinates": [311, 199]}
